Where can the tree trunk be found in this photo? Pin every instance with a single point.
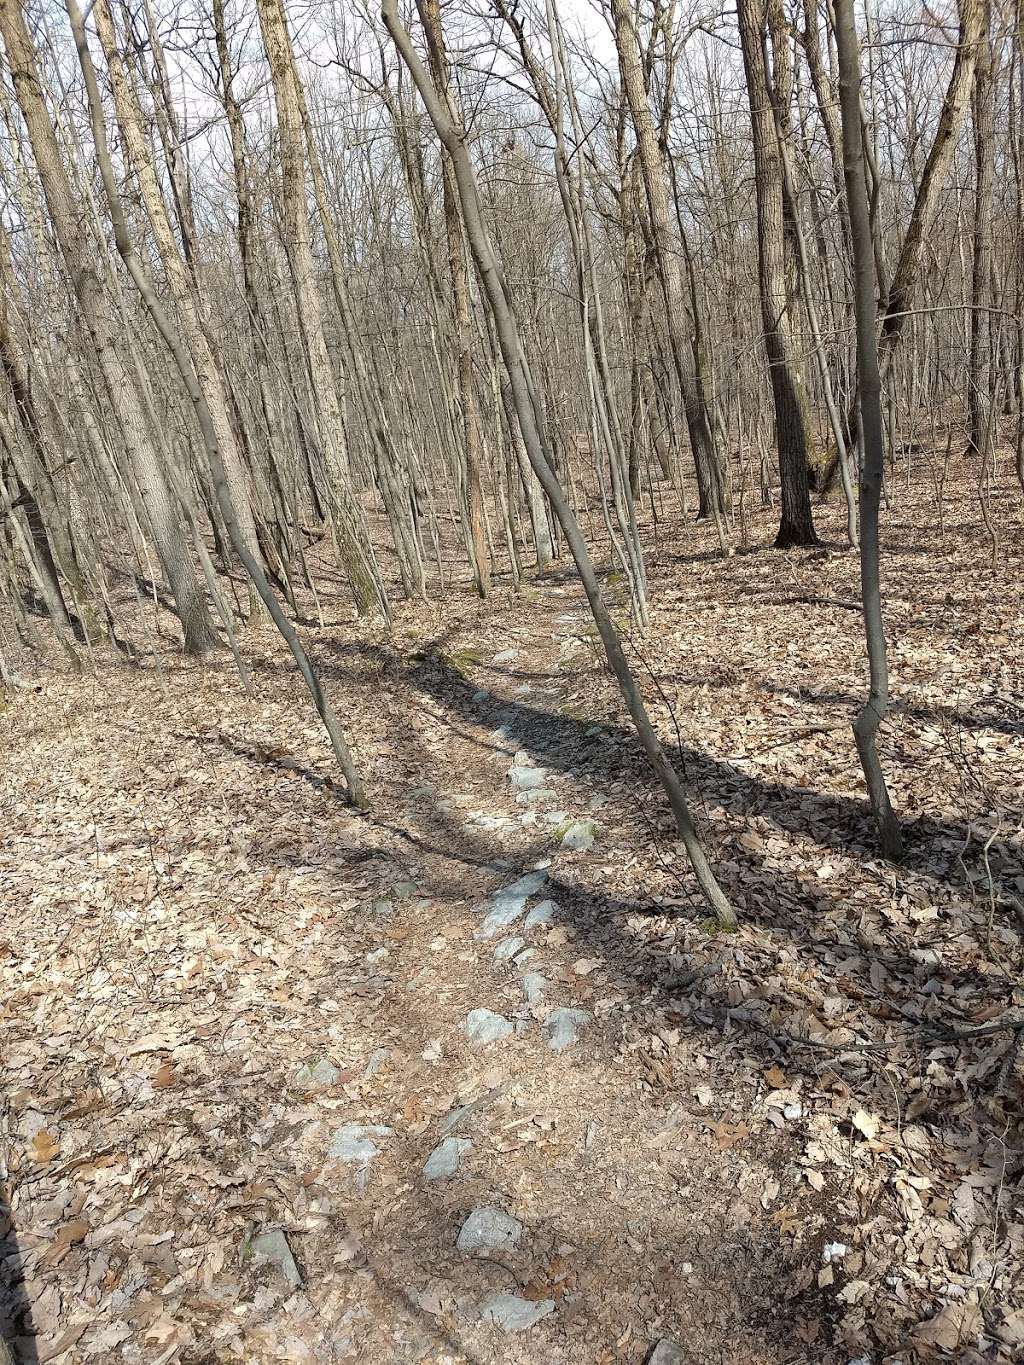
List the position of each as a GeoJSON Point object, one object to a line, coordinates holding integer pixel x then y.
{"type": "Point", "coordinates": [788, 393]}
{"type": "Point", "coordinates": [872, 714]}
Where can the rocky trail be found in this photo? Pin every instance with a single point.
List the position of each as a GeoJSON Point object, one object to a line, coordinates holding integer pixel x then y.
{"type": "Point", "coordinates": [470, 1079]}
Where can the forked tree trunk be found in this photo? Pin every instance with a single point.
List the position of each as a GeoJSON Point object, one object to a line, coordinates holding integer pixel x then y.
{"type": "Point", "coordinates": [523, 396]}
{"type": "Point", "coordinates": [872, 714]}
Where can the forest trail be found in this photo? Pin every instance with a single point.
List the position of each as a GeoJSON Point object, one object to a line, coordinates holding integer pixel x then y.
{"type": "Point", "coordinates": [221, 984]}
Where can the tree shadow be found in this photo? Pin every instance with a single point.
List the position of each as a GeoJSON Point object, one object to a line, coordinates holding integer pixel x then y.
{"type": "Point", "coordinates": [17, 1327]}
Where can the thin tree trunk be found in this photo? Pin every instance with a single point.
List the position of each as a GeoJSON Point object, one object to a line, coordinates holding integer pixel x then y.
{"type": "Point", "coordinates": [872, 714]}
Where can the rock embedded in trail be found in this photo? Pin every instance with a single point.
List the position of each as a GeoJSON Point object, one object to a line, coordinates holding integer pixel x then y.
{"type": "Point", "coordinates": [443, 1161]}
{"type": "Point", "coordinates": [355, 1142]}
{"type": "Point", "coordinates": [513, 1314]}
{"type": "Point", "coordinates": [665, 1352]}
{"type": "Point", "coordinates": [563, 1027]}
{"type": "Point", "coordinates": [533, 987]}
{"type": "Point", "coordinates": [272, 1246]}
{"type": "Point", "coordinates": [509, 902]}
{"type": "Point", "coordinates": [483, 1026]}
{"type": "Point", "coordinates": [527, 779]}
{"type": "Point", "coordinates": [580, 835]}
{"type": "Point", "coordinates": [508, 948]}
{"type": "Point", "coordinates": [505, 656]}
{"type": "Point", "coordinates": [489, 1229]}
{"type": "Point", "coordinates": [542, 913]}
{"type": "Point", "coordinates": [313, 1074]}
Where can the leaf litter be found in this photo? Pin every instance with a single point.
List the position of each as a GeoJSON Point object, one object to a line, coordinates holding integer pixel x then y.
{"type": "Point", "coordinates": [210, 968]}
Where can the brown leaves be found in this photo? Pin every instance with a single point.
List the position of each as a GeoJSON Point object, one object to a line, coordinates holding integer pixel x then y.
{"type": "Point", "coordinates": [44, 1147]}
{"type": "Point", "coordinates": [67, 1237]}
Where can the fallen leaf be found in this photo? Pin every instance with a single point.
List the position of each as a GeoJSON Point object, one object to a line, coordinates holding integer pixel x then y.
{"type": "Point", "coordinates": [44, 1147]}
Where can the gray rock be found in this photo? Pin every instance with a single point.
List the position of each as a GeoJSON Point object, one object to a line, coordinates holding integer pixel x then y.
{"type": "Point", "coordinates": [525, 956]}
{"type": "Point", "coordinates": [509, 902]}
{"type": "Point", "coordinates": [403, 890]}
{"type": "Point", "coordinates": [533, 987]}
{"type": "Point", "coordinates": [443, 1161]}
{"type": "Point", "coordinates": [507, 948]}
{"type": "Point", "coordinates": [536, 797]}
{"type": "Point", "coordinates": [378, 955]}
{"type": "Point", "coordinates": [513, 1314]}
{"type": "Point", "coordinates": [563, 1027]}
{"type": "Point", "coordinates": [527, 779]}
{"type": "Point", "coordinates": [556, 817]}
{"type": "Point", "coordinates": [488, 1229]}
{"type": "Point", "coordinates": [542, 913]}
{"type": "Point", "coordinates": [481, 695]}
{"type": "Point", "coordinates": [580, 835]}
{"type": "Point", "coordinates": [523, 688]}
{"type": "Point", "coordinates": [313, 1074]}
{"type": "Point", "coordinates": [375, 1061]}
{"type": "Point", "coordinates": [500, 916]}
{"type": "Point", "coordinates": [272, 1247]}
{"type": "Point", "coordinates": [354, 1142]}
{"type": "Point", "coordinates": [484, 1026]}
{"type": "Point", "coordinates": [506, 656]}
{"type": "Point", "coordinates": [525, 886]}
{"type": "Point", "coordinates": [665, 1352]}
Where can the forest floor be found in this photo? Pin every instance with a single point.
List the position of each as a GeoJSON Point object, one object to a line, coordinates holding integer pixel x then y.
{"type": "Point", "coordinates": [233, 1006]}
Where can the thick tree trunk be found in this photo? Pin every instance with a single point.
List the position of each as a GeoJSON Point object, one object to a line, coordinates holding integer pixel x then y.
{"type": "Point", "coordinates": [788, 392]}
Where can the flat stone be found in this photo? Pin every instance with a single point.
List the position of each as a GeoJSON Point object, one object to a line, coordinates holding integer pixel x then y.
{"type": "Point", "coordinates": [509, 902]}
{"type": "Point", "coordinates": [484, 1026]}
{"type": "Point", "coordinates": [563, 1027]}
{"type": "Point", "coordinates": [488, 1229]}
{"type": "Point", "coordinates": [375, 1061]}
{"type": "Point", "coordinates": [403, 890]}
{"type": "Point", "coordinates": [527, 779]}
{"type": "Point", "coordinates": [556, 817]}
{"type": "Point", "coordinates": [533, 987]}
{"type": "Point", "coordinates": [542, 913]}
{"type": "Point", "coordinates": [665, 1352]}
{"type": "Point", "coordinates": [513, 1314]}
{"type": "Point", "coordinates": [355, 1142]}
{"type": "Point", "coordinates": [481, 695]}
{"type": "Point", "coordinates": [580, 835]}
{"type": "Point", "coordinates": [378, 955]}
{"type": "Point", "coordinates": [507, 948]}
{"type": "Point", "coordinates": [443, 1161]}
{"type": "Point", "coordinates": [272, 1246]}
{"type": "Point", "coordinates": [506, 656]}
{"type": "Point", "coordinates": [500, 916]}
{"type": "Point", "coordinates": [536, 796]}
{"type": "Point", "coordinates": [313, 1074]}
